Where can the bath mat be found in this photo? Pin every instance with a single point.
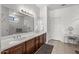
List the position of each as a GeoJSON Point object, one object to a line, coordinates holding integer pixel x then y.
{"type": "Point", "coordinates": [45, 49]}
{"type": "Point", "coordinates": [77, 52]}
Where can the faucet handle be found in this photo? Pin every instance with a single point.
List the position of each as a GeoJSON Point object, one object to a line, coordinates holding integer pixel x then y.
{"type": "Point", "coordinates": [19, 36]}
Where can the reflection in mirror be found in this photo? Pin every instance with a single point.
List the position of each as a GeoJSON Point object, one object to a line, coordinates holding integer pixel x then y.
{"type": "Point", "coordinates": [14, 22]}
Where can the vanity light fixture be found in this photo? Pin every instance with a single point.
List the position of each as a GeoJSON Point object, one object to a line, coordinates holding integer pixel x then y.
{"type": "Point", "coordinates": [25, 12]}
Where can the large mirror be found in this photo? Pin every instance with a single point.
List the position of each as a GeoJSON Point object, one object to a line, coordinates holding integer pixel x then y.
{"type": "Point", "coordinates": [14, 22]}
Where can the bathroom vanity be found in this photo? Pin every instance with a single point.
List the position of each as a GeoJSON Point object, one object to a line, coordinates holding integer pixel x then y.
{"type": "Point", "coordinates": [21, 31]}
{"type": "Point", "coordinates": [26, 45]}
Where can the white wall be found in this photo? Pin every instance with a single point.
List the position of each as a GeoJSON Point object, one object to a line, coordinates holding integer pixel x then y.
{"type": "Point", "coordinates": [4, 23]}
{"type": "Point", "coordinates": [43, 18]}
{"type": "Point", "coordinates": [50, 25]}
{"type": "Point", "coordinates": [0, 20]}
{"type": "Point", "coordinates": [0, 27]}
{"type": "Point", "coordinates": [60, 19]}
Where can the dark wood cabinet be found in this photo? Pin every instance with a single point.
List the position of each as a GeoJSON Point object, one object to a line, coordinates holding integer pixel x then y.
{"type": "Point", "coordinates": [40, 41]}
{"type": "Point", "coordinates": [28, 47]}
{"type": "Point", "coordinates": [19, 49]}
{"type": "Point", "coordinates": [37, 43]}
{"type": "Point", "coordinates": [5, 52]}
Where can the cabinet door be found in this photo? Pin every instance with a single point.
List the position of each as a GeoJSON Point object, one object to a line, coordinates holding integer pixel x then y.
{"type": "Point", "coordinates": [19, 49]}
{"type": "Point", "coordinates": [41, 40]}
{"type": "Point", "coordinates": [5, 52]}
{"type": "Point", "coordinates": [30, 46]}
{"type": "Point", "coordinates": [44, 37]}
{"type": "Point", "coordinates": [37, 43]}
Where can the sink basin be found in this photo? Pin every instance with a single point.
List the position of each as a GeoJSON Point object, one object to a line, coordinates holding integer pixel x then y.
{"type": "Point", "coordinates": [9, 42]}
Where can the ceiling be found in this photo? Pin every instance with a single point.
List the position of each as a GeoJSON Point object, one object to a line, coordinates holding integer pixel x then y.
{"type": "Point", "coordinates": [16, 6]}
{"type": "Point", "coordinates": [37, 7]}
{"type": "Point", "coordinates": [31, 7]}
{"type": "Point", "coordinates": [55, 6]}
{"type": "Point", "coordinates": [58, 6]}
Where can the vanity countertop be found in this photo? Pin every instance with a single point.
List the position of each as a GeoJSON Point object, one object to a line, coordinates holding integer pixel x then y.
{"type": "Point", "coordinates": [10, 42]}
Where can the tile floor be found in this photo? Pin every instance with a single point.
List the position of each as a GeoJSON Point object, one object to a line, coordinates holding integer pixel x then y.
{"type": "Point", "coordinates": [63, 48]}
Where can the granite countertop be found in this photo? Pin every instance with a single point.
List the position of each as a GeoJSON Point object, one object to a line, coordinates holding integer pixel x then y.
{"type": "Point", "coordinates": [10, 42]}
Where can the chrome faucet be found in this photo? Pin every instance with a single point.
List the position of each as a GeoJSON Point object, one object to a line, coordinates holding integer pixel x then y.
{"type": "Point", "coordinates": [18, 37]}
